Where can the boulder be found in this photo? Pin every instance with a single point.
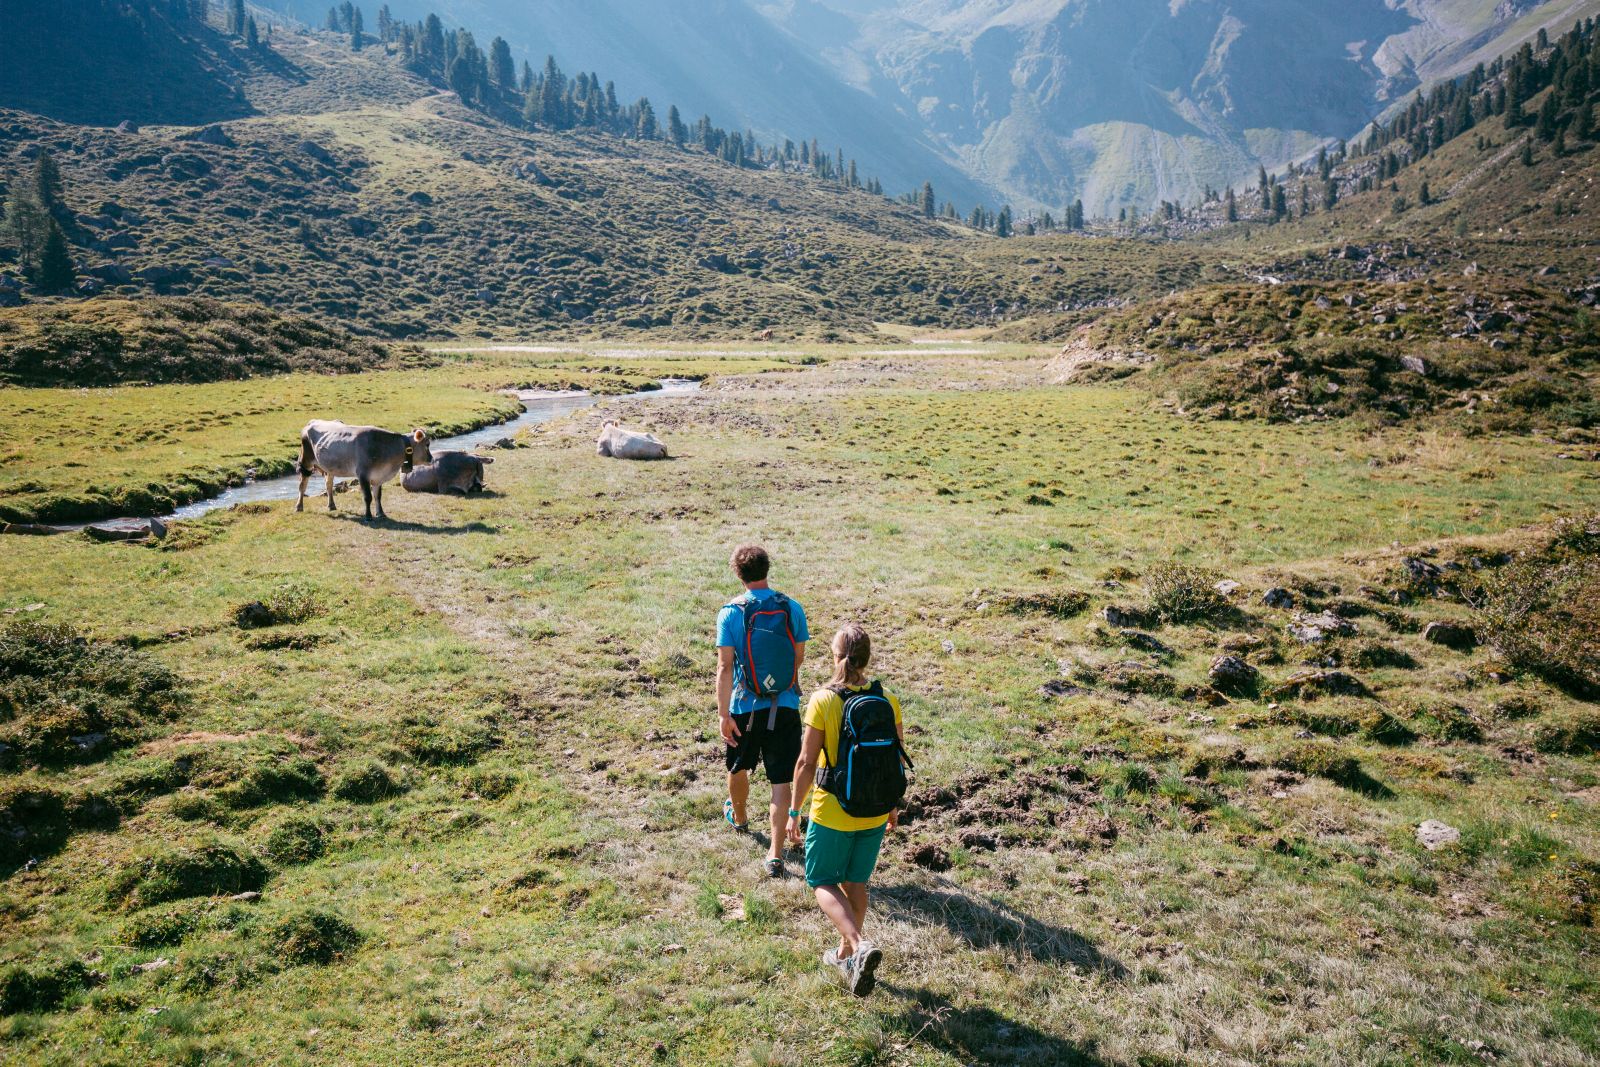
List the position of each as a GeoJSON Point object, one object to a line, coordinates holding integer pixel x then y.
{"type": "Point", "coordinates": [1414, 364]}
{"type": "Point", "coordinates": [318, 153]}
{"type": "Point", "coordinates": [1227, 587]}
{"type": "Point", "coordinates": [1434, 835]}
{"type": "Point", "coordinates": [1454, 635]}
{"type": "Point", "coordinates": [1277, 597]}
{"type": "Point", "coordinates": [159, 275]}
{"type": "Point", "coordinates": [112, 274]}
{"type": "Point", "coordinates": [1310, 684]}
{"type": "Point", "coordinates": [1139, 639]}
{"type": "Point", "coordinates": [1314, 629]}
{"type": "Point", "coordinates": [1232, 674]}
{"type": "Point", "coordinates": [1122, 618]}
{"type": "Point", "coordinates": [127, 126]}
{"type": "Point", "coordinates": [212, 135]}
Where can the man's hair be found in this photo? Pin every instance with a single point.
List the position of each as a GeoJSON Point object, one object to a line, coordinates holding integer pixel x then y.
{"type": "Point", "coordinates": [751, 562]}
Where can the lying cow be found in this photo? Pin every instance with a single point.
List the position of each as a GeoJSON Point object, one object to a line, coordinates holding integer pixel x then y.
{"type": "Point", "coordinates": [628, 444]}
{"type": "Point", "coordinates": [450, 472]}
{"type": "Point", "coordinates": [365, 453]}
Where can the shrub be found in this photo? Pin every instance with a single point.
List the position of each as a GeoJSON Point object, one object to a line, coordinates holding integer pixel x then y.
{"type": "Point", "coordinates": [312, 936]}
{"type": "Point", "coordinates": [1573, 734]}
{"type": "Point", "coordinates": [365, 783]}
{"type": "Point", "coordinates": [43, 989]}
{"type": "Point", "coordinates": [175, 873]}
{"type": "Point", "coordinates": [437, 743]}
{"type": "Point", "coordinates": [275, 779]}
{"type": "Point", "coordinates": [1383, 727]}
{"type": "Point", "coordinates": [65, 699]}
{"type": "Point", "coordinates": [1063, 605]}
{"type": "Point", "coordinates": [1541, 615]}
{"type": "Point", "coordinates": [296, 840]}
{"type": "Point", "coordinates": [1181, 593]}
{"type": "Point", "coordinates": [164, 926]}
{"type": "Point", "coordinates": [288, 604]}
{"type": "Point", "coordinates": [1320, 759]}
{"type": "Point", "coordinates": [492, 785]}
{"type": "Point", "coordinates": [33, 822]}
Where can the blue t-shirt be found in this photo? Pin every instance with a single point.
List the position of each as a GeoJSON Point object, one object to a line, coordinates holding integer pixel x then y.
{"type": "Point", "coordinates": [730, 634]}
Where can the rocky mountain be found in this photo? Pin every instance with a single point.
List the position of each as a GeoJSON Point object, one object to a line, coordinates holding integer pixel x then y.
{"type": "Point", "coordinates": [1122, 103]}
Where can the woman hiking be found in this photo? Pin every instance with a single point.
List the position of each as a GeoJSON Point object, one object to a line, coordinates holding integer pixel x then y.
{"type": "Point", "coordinates": [852, 728]}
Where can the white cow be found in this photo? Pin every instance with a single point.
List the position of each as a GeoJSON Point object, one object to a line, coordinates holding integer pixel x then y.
{"type": "Point", "coordinates": [628, 444]}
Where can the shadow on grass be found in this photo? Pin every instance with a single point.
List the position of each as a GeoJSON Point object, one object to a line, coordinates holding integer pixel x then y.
{"type": "Point", "coordinates": [987, 923]}
{"type": "Point", "coordinates": [416, 527]}
{"type": "Point", "coordinates": [983, 1035]}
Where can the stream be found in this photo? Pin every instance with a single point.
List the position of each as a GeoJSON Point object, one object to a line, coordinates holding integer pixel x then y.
{"type": "Point", "coordinates": [537, 407]}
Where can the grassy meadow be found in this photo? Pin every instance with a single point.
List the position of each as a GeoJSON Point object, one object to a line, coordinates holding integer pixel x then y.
{"type": "Point", "coordinates": [470, 764]}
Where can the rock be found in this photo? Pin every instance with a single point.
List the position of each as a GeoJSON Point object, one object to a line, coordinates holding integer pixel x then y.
{"type": "Point", "coordinates": [772, 204]}
{"type": "Point", "coordinates": [948, 646]}
{"type": "Point", "coordinates": [212, 135]}
{"type": "Point", "coordinates": [1314, 629]}
{"type": "Point", "coordinates": [320, 154]}
{"type": "Point", "coordinates": [1059, 688]}
{"type": "Point", "coordinates": [158, 529]}
{"type": "Point", "coordinates": [159, 275]}
{"type": "Point", "coordinates": [29, 529]}
{"type": "Point", "coordinates": [1139, 639]}
{"type": "Point", "coordinates": [361, 227]}
{"type": "Point", "coordinates": [1227, 587]}
{"type": "Point", "coordinates": [1308, 685]}
{"type": "Point", "coordinates": [1421, 571]}
{"type": "Point", "coordinates": [248, 897]}
{"type": "Point", "coordinates": [732, 907]}
{"type": "Point", "coordinates": [127, 126]}
{"type": "Point", "coordinates": [1434, 835]}
{"type": "Point", "coordinates": [218, 262]}
{"type": "Point", "coordinates": [1414, 364]}
{"type": "Point", "coordinates": [421, 198]}
{"type": "Point", "coordinates": [107, 534]}
{"type": "Point", "coordinates": [253, 616]}
{"type": "Point", "coordinates": [154, 965]}
{"type": "Point", "coordinates": [1454, 635]}
{"type": "Point", "coordinates": [716, 261]}
{"type": "Point", "coordinates": [1232, 674]}
{"type": "Point", "coordinates": [1122, 618]}
{"type": "Point", "coordinates": [1545, 272]}
{"type": "Point", "coordinates": [1277, 597]}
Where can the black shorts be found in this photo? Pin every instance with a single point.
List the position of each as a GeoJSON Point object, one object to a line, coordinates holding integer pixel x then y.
{"type": "Point", "coordinates": [777, 749]}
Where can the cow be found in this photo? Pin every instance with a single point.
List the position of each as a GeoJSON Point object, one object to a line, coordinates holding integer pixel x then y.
{"type": "Point", "coordinates": [618, 443]}
{"type": "Point", "coordinates": [450, 472]}
{"type": "Point", "coordinates": [365, 453]}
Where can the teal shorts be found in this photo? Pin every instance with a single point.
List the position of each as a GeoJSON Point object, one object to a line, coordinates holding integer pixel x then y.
{"type": "Point", "coordinates": [837, 856]}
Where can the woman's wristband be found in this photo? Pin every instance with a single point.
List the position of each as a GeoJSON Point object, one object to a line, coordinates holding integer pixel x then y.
{"type": "Point", "coordinates": [794, 813]}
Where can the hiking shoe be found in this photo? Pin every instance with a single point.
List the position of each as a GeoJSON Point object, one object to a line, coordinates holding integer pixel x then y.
{"type": "Point", "coordinates": [830, 958]}
{"type": "Point", "coordinates": [775, 868]}
{"type": "Point", "coordinates": [727, 815]}
{"type": "Point", "coordinates": [845, 966]}
{"type": "Point", "coordinates": [863, 968]}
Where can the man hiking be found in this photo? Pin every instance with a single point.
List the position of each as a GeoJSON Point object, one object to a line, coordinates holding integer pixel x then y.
{"type": "Point", "coordinates": [853, 732]}
{"type": "Point", "coordinates": [761, 643]}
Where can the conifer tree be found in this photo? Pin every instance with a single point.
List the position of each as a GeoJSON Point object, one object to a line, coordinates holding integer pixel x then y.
{"type": "Point", "coordinates": [678, 132]}
{"type": "Point", "coordinates": [25, 224]}
{"type": "Point", "coordinates": [357, 30]}
{"type": "Point", "coordinates": [47, 184]}
{"type": "Point", "coordinates": [433, 40]}
{"type": "Point", "coordinates": [1527, 152]}
{"type": "Point", "coordinates": [1330, 194]}
{"type": "Point", "coordinates": [1424, 194]}
{"type": "Point", "coordinates": [1266, 189]}
{"type": "Point", "coordinates": [252, 36]}
{"type": "Point", "coordinates": [347, 15]}
{"type": "Point", "coordinates": [1280, 202]}
{"type": "Point", "coordinates": [928, 201]}
{"type": "Point", "coordinates": [55, 273]}
{"type": "Point", "coordinates": [1002, 222]}
{"type": "Point", "coordinates": [1583, 123]}
{"type": "Point", "coordinates": [236, 18]}
{"type": "Point", "coordinates": [646, 126]}
{"type": "Point", "coordinates": [332, 24]}
{"type": "Point", "coordinates": [1549, 121]}
{"type": "Point", "coordinates": [1233, 206]}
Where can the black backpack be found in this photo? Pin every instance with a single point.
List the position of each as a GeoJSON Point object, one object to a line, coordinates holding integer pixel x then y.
{"type": "Point", "coordinates": [869, 778]}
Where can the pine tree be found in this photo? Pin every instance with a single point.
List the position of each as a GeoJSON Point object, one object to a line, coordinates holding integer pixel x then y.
{"type": "Point", "coordinates": [1305, 199]}
{"type": "Point", "coordinates": [1280, 202]}
{"type": "Point", "coordinates": [646, 127]}
{"type": "Point", "coordinates": [385, 24]}
{"type": "Point", "coordinates": [433, 40]}
{"type": "Point", "coordinates": [1266, 189]}
{"type": "Point", "coordinates": [1549, 121]}
{"type": "Point", "coordinates": [1583, 124]}
{"type": "Point", "coordinates": [356, 30]}
{"type": "Point", "coordinates": [1559, 146]}
{"type": "Point", "coordinates": [927, 200]}
{"type": "Point", "coordinates": [55, 273]}
{"type": "Point", "coordinates": [47, 184]}
{"type": "Point", "coordinates": [25, 224]}
{"type": "Point", "coordinates": [1233, 206]}
{"type": "Point", "coordinates": [1527, 152]}
{"type": "Point", "coordinates": [252, 36]}
{"type": "Point", "coordinates": [347, 15]}
{"type": "Point", "coordinates": [678, 132]}
{"type": "Point", "coordinates": [1424, 195]}
{"type": "Point", "coordinates": [1002, 222]}
{"type": "Point", "coordinates": [1330, 194]}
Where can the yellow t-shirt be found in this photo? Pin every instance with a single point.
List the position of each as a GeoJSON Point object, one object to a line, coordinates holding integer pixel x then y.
{"type": "Point", "coordinates": [825, 711]}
